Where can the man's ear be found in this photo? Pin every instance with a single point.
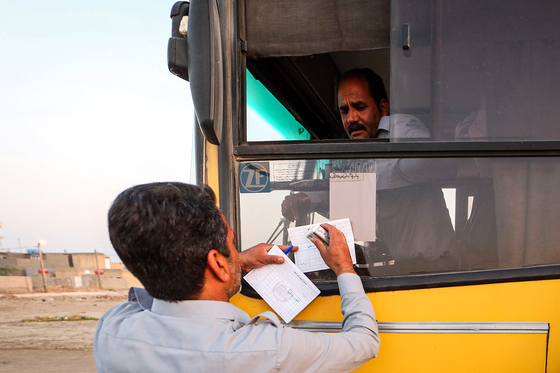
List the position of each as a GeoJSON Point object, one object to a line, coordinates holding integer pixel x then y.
{"type": "Point", "coordinates": [384, 107]}
{"type": "Point", "coordinates": [218, 265]}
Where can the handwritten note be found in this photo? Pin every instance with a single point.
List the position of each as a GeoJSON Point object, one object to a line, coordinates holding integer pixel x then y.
{"type": "Point", "coordinates": [283, 286]}
{"type": "Point", "coordinates": [353, 196]}
{"type": "Point", "coordinates": [290, 171]}
{"type": "Point", "coordinates": [308, 258]}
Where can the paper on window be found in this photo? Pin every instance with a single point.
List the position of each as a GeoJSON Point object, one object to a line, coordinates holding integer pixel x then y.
{"type": "Point", "coordinates": [308, 258]}
{"type": "Point", "coordinates": [353, 195]}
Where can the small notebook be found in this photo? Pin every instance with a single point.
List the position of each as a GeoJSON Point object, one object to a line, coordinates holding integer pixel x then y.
{"type": "Point", "coordinates": [283, 286]}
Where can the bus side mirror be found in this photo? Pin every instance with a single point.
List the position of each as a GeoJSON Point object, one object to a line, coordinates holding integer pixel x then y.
{"type": "Point", "coordinates": [198, 59]}
{"type": "Point", "coordinates": [177, 45]}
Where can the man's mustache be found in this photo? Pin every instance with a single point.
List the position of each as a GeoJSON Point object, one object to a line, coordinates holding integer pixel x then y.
{"type": "Point", "coordinates": [356, 127]}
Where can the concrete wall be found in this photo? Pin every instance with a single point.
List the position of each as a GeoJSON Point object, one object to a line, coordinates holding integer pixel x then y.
{"type": "Point", "coordinates": [8, 262]}
{"type": "Point", "coordinates": [122, 273]}
{"type": "Point", "coordinates": [68, 272]}
{"type": "Point", "coordinates": [114, 283]}
{"type": "Point", "coordinates": [16, 284]}
{"type": "Point", "coordinates": [55, 260]}
{"type": "Point", "coordinates": [131, 280]}
{"type": "Point", "coordinates": [88, 260]}
{"type": "Point", "coordinates": [90, 281]}
{"type": "Point", "coordinates": [37, 280]}
{"type": "Point", "coordinates": [49, 261]}
{"type": "Point", "coordinates": [11, 263]}
{"type": "Point", "coordinates": [115, 279]}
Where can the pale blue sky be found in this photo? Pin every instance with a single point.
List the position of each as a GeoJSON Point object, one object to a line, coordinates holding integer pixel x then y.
{"type": "Point", "coordinates": [87, 109]}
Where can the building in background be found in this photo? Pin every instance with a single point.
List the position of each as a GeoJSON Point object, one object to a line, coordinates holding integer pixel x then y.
{"type": "Point", "coordinates": [21, 271]}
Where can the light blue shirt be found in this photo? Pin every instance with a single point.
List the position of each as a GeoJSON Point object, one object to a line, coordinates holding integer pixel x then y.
{"type": "Point", "coordinates": [412, 216]}
{"type": "Point", "coordinates": [151, 335]}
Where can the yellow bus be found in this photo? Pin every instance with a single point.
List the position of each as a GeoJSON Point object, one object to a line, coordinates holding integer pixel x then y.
{"type": "Point", "coordinates": [475, 289]}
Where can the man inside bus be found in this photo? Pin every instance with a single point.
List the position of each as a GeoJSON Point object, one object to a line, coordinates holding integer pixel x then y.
{"type": "Point", "coordinates": [413, 222]}
{"type": "Point", "coordinates": [173, 238]}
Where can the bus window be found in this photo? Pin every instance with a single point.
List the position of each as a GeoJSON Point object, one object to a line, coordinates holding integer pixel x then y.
{"type": "Point", "coordinates": [267, 119]}
{"type": "Point", "coordinates": [454, 73]}
{"type": "Point", "coordinates": [419, 215]}
{"type": "Point", "coordinates": [478, 71]}
{"type": "Point", "coordinates": [482, 71]}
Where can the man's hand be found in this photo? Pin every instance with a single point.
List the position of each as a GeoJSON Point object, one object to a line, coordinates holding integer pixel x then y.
{"type": "Point", "coordinates": [295, 205]}
{"type": "Point", "coordinates": [336, 256]}
{"type": "Point", "coordinates": [257, 256]}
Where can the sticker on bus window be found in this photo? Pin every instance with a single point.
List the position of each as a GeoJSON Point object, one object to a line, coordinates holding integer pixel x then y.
{"type": "Point", "coordinates": [254, 177]}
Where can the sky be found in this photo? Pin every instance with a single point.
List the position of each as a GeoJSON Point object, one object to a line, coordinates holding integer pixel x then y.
{"type": "Point", "coordinates": [88, 108]}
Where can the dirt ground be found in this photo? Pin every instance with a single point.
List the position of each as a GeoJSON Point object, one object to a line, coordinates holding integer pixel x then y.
{"type": "Point", "coordinates": [54, 346]}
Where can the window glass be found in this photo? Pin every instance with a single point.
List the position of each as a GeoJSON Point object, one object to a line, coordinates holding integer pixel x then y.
{"type": "Point", "coordinates": [478, 70]}
{"type": "Point", "coordinates": [483, 70]}
{"type": "Point", "coordinates": [413, 215]}
{"type": "Point", "coordinates": [267, 119]}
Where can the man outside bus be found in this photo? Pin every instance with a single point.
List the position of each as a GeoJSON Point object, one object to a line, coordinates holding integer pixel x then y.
{"type": "Point", "coordinates": [413, 222]}
{"type": "Point", "coordinates": [174, 239]}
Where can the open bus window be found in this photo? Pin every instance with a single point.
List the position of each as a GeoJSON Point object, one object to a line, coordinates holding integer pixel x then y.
{"type": "Point", "coordinates": [306, 86]}
{"type": "Point", "coordinates": [477, 71]}
{"type": "Point", "coordinates": [421, 215]}
{"type": "Point", "coordinates": [291, 50]}
{"type": "Point", "coordinates": [267, 119]}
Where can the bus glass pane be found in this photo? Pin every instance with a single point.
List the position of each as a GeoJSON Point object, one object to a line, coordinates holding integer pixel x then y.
{"type": "Point", "coordinates": [413, 215]}
{"type": "Point", "coordinates": [483, 70]}
{"type": "Point", "coordinates": [479, 70]}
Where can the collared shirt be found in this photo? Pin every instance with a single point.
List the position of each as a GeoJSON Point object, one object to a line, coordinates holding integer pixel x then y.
{"type": "Point", "coordinates": [401, 126]}
{"type": "Point", "coordinates": [383, 128]}
{"type": "Point", "coordinates": [151, 335]}
{"type": "Point", "coordinates": [412, 216]}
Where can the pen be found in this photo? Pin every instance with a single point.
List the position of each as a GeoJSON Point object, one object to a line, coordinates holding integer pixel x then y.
{"type": "Point", "coordinates": [288, 249]}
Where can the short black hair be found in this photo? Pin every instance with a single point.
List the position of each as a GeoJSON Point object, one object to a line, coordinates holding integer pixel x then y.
{"type": "Point", "coordinates": [375, 83]}
{"type": "Point", "coordinates": [163, 232]}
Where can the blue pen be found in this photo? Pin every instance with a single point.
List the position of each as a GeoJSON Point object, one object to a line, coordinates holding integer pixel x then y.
{"type": "Point", "coordinates": [288, 249]}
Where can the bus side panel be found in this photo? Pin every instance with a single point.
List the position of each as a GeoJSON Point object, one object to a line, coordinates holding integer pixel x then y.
{"type": "Point", "coordinates": [516, 302]}
{"type": "Point", "coordinates": [459, 353]}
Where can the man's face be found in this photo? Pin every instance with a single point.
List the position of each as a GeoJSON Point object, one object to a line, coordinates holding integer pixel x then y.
{"type": "Point", "coordinates": [358, 110]}
{"type": "Point", "coordinates": [233, 261]}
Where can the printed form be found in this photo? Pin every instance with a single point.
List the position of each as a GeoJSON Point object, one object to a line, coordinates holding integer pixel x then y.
{"type": "Point", "coordinates": [283, 286]}
{"type": "Point", "coordinates": [308, 257]}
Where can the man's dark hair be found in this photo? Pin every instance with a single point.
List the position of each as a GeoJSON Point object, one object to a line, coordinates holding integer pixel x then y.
{"type": "Point", "coordinates": [375, 83]}
{"type": "Point", "coordinates": [163, 232]}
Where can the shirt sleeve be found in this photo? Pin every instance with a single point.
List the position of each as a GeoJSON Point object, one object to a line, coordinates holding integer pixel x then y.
{"type": "Point", "coordinates": [319, 202]}
{"type": "Point", "coordinates": [397, 173]}
{"type": "Point", "coordinates": [301, 351]}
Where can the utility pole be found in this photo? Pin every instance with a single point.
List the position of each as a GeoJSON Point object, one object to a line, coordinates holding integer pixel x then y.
{"type": "Point", "coordinates": [42, 266]}
{"type": "Point", "coordinates": [97, 271]}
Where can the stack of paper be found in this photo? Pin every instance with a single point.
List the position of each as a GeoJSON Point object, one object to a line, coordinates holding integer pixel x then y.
{"type": "Point", "coordinates": [283, 286]}
{"type": "Point", "coordinates": [308, 257]}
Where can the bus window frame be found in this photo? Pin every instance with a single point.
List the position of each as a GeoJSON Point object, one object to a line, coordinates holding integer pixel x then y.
{"type": "Point", "coordinates": [240, 150]}
{"type": "Point", "coordinates": [349, 149]}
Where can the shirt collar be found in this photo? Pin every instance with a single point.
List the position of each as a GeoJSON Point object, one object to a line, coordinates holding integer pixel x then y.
{"type": "Point", "coordinates": [384, 125]}
{"type": "Point", "coordinates": [140, 296]}
{"type": "Point", "coordinates": [200, 308]}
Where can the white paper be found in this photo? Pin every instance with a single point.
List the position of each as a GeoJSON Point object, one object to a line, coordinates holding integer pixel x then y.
{"type": "Point", "coordinates": [308, 257]}
{"type": "Point", "coordinates": [353, 196]}
{"type": "Point", "coordinates": [283, 286]}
